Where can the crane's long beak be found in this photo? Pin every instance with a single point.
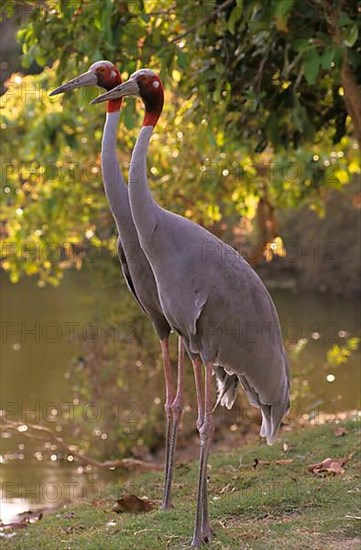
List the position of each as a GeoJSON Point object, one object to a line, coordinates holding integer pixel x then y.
{"type": "Point", "coordinates": [86, 79]}
{"type": "Point", "coordinates": [130, 87]}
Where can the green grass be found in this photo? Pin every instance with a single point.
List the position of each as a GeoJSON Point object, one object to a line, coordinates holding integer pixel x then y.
{"type": "Point", "coordinates": [270, 507]}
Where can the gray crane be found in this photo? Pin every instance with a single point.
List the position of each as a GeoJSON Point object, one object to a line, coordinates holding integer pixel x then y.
{"type": "Point", "coordinates": [135, 266]}
{"type": "Point", "coordinates": [211, 297]}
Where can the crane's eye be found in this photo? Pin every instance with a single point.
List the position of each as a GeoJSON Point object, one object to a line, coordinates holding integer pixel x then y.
{"type": "Point", "coordinates": [144, 78]}
{"type": "Point", "coordinates": [101, 69]}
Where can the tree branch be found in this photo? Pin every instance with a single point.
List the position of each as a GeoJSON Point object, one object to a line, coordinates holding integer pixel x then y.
{"type": "Point", "coordinates": [43, 433]}
{"type": "Point", "coordinates": [205, 20]}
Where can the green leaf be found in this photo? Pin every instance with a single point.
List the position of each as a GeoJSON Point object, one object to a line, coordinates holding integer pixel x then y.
{"type": "Point", "coordinates": [283, 9]}
{"type": "Point", "coordinates": [182, 59]}
{"type": "Point", "coordinates": [235, 16]}
{"type": "Point", "coordinates": [312, 63]}
{"type": "Point", "coordinates": [282, 12]}
{"type": "Point", "coordinates": [353, 343]}
{"type": "Point", "coordinates": [128, 118]}
{"type": "Point", "coordinates": [328, 56]}
{"type": "Point", "coordinates": [344, 20]}
{"type": "Point", "coordinates": [211, 138]}
{"type": "Point", "coordinates": [301, 44]}
{"type": "Point", "coordinates": [7, 12]}
{"type": "Point", "coordinates": [26, 60]}
{"type": "Point", "coordinates": [351, 36]}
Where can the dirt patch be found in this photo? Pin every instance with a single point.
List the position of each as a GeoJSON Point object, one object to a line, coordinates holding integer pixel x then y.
{"type": "Point", "coordinates": [344, 544]}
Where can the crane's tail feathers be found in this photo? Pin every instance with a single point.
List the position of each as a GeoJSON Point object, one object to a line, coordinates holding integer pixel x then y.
{"type": "Point", "coordinates": [227, 386]}
{"type": "Point", "coordinates": [272, 416]}
{"type": "Point", "coordinates": [272, 413]}
{"type": "Point", "coordinates": [263, 430]}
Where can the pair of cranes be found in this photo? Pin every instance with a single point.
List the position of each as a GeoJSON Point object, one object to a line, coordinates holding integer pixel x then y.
{"type": "Point", "coordinates": [187, 280]}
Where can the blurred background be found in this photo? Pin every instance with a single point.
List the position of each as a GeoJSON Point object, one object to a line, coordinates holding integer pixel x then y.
{"type": "Point", "coordinates": [259, 142]}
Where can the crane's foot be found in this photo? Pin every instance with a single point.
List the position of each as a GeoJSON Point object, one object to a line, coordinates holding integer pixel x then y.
{"type": "Point", "coordinates": [202, 537]}
{"type": "Point", "coordinates": [197, 541]}
{"type": "Point", "coordinates": [207, 533]}
{"type": "Point", "coordinates": [166, 506]}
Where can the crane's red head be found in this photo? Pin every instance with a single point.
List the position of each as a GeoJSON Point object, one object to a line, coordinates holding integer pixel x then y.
{"type": "Point", "coordinates": [101, 73]}
{"type": "Point", "coordinates": [146, 84]}
{"type": "Point", "coordinates": [106, 73]}
{"type": "Point", "coordinates": [108, 77]}
{"type": "Point", "coordinates": [150, 89]}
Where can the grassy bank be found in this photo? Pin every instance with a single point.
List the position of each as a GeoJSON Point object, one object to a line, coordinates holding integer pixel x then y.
{"type": "Point", "coordinates": [257, 507]}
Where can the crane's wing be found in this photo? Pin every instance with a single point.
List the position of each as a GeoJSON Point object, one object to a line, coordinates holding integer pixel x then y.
{"type": "Point", "coordinates": [200, 296]}
{"type": "Point", "coordinates": [126, 273]}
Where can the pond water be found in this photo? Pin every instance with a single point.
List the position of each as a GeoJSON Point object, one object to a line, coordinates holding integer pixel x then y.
{"type": "Point", "coordinates": [39, 328]}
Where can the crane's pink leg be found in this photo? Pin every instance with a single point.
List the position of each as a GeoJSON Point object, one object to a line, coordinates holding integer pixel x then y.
{"type": "Point", "coordinates": [177, 408]}
{"type": "Point", "coordinates": [198, 379]}
{"type": "Point", "coordinates": [202, 530]}
{"type": "Point", "coordinates": [169, 397]}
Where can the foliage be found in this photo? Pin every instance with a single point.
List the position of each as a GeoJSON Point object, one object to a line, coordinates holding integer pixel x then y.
{"type": "Point", "coordinates": [254, 111]}
{"type": "Point", "coordinates": [339, 355]}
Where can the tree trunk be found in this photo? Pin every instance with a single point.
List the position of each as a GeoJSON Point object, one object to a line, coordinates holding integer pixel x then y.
{"type": "Point", "coordinates": [352, 97]}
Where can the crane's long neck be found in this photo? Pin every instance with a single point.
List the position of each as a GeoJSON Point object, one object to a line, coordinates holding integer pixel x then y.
{"type": "Point", "coordinates": [115, 187]}
{"type": "Point", "coordinates": [143, 206]}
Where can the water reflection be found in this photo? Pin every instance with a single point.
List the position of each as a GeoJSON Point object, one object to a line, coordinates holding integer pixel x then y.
{"type": "Point", "coordinates": [45, 487]}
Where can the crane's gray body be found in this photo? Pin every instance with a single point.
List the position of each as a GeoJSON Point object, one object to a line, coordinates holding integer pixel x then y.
{"type": "Point", "coordinates": [214, 300]}
{"type": "Point", "coordinates": [135, 265]}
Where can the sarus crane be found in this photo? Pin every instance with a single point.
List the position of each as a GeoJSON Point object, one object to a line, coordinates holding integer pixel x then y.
{"type": "Point", "coordinates": [210, 296]}
{"type": "Point", "coordinates": [135, 266]}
